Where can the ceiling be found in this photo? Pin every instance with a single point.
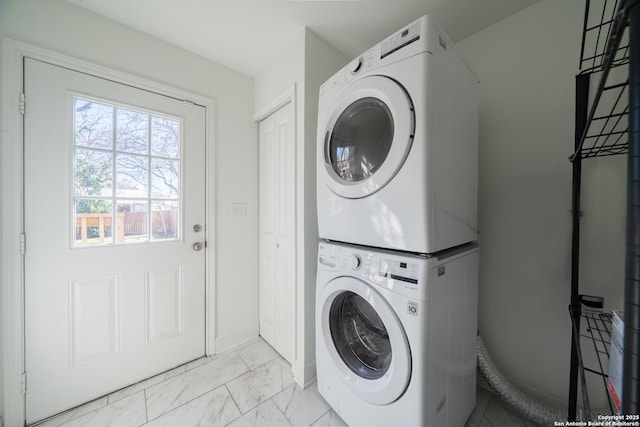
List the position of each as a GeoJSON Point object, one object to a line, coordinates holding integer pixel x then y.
{"type": "Point", "coordinates": [246, 35]}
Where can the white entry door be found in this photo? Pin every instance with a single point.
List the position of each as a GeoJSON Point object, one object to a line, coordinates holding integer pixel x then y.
{"type": "Point", "coordinates": [114, 199]}
{"type": "Point", "coordinates": [277, 231]}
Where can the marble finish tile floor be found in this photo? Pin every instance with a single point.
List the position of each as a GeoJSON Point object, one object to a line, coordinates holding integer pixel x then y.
{"type": "Point", "coordinates": [251, 386]}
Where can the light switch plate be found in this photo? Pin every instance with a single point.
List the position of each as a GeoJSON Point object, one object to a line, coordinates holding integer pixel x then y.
{"type": "Point", "coordinates": [238, 209]}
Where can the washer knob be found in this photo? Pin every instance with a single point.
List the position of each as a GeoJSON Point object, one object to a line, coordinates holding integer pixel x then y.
{"type": "Point", "coordinates": [355, 262]}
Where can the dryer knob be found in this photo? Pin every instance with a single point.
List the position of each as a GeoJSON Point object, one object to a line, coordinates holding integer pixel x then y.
{"type": "Point", "coordinates": [356, 262]}
{"type": "Point", "coordinates": [355, 65]}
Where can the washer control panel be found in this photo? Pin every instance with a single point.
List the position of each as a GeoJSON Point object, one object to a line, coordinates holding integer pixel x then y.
{"type": "Point", "coordinates": [399, 270]}
{"type": "Point", "coordinates": [389, 270]}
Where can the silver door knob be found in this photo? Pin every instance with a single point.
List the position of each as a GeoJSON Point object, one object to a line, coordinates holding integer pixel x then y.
{"type": "Point", "coordinates": [197, 246]}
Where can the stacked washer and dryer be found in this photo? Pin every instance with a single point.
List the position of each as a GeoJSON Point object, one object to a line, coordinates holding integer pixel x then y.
{"type": "Point", "coordinates": [396, 298]}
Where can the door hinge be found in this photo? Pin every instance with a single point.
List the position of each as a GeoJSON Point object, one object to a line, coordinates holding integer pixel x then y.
{"type": "Point", "coordinates": [23, 383]}
{"type": "Point", "coordinates": [23, 244]}
{"type": "Point", "coordinates": [21, 103]}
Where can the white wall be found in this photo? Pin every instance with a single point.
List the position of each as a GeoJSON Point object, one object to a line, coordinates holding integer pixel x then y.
{"type": "Point", "coordinates": [286, 71]}
{"type": "Point", "coordinates": [306, 63]}
{"type": "Point", "coordinates": [61, 27]}
{"type": "Point", "coordinates": [322, 60]}
{"type": "Point", "coordinates": [526, 66]}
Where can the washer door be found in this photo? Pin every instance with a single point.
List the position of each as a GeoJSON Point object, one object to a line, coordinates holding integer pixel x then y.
{"type": "Point", "coordinates": [368, 136]}
{"type": "Point", "coordinates": [365, 340]}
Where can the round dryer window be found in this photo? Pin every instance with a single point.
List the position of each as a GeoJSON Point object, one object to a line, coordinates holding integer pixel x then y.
{"type": "Point", "coordinates": [361, 139]}
{"type": "Point", "coordinates": [368, 136]}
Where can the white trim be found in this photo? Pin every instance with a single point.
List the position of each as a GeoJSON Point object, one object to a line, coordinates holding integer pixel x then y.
{"type": "Point", "coordinates": [280, 101]}
{"type": "Point", "coordinates": [299, 369]}
{"type": "Point", "coordinates": [235, 339]}
{"type": "Point", "coordinates": [11, 197]}
{"type": "Point", "coordinates": [309, 374]}
{"type": "Point", "coordinates": [210, 230]}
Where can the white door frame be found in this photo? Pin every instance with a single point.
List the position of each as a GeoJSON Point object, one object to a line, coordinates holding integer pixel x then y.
{"type": "Point", "coordinates": [298, 366]}
{"type": "Point", "coordinates": [11, 200]}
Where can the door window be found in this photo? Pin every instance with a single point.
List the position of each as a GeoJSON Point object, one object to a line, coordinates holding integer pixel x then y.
{"type": "Point", "coordinates": [360, 336]}
{"type": "Point", "coordinates": [126, 174]}
{"type": "Point", "coordinates": [361, 139]}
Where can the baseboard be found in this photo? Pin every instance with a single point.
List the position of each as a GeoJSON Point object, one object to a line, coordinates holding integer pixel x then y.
{"type": "Point", "coordinates": [309, 374]}
{"type": "Point", "coordinates": [229, 342]}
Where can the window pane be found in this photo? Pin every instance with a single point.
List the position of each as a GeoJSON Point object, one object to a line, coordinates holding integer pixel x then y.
{"type": "Point", "coordinates": [93, 222]}
{"type": "Point", "coordinates": [165, 137]}
{"type": "Point", "coordinates": [93, 124]}
{"type": "Point", "coordinates": [132, 176]}
{"type": "Point", "coordinates": [165, 179]}
{"type": "Point", "coordinates": [165, 220]}
{"type": "Point", "coordinates": [133, 221]}
{"type": "Point", "coordinates": [93, 174]}
{"type": "Point", "coordinates": [132, 131]}
{"type": "Point", "coordinates": [126, 174]}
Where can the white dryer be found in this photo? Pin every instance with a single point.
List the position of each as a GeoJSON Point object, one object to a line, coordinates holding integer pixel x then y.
{"type": "Point", "coordinates": [395, 335]}
{"type": "Point", "coordinates": [397, 146]}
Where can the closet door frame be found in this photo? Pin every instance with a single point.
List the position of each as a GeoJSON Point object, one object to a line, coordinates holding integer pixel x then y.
{"type": "Point", "coordinates": [289, 97]}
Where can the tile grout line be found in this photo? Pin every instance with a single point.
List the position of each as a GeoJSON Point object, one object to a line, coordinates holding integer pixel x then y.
{"type": "Point", "coordinates": [283, 414]}
{"type": "Point", "coordinates": [265, 400]}
{"type": "Point", "coordinates": [234, 402]}
{"type": "Point", "coordinates": [208, 391]}
{"type": "Point", "coordinates": [484, 411]}
{"type": "Point", "coordinates": [146, 408]}
{"type": "Point", "coordinates": [320, 417]}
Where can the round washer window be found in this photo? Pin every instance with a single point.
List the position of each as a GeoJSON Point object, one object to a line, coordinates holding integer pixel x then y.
{"type": "Point", "coordinates": [360, 336]}
{"type": "Point", "coordinates": [361, 139]}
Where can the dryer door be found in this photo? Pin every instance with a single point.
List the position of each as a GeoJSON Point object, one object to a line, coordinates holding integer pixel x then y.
{"type": "Point", "coordinates": [365, 339]}
{"type": "Point", "coordinates": [367, 137]}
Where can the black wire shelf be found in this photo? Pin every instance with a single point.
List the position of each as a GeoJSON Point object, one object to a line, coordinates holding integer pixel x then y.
{"type": "Point", "coordinates": [592, 332]}
{"type": "Point", "coordinates": [605, 58]}
{"type": "Point", "coordinates": [606, 123]}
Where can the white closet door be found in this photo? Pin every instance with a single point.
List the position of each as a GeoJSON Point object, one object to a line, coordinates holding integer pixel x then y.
{"type": "Point", "coordinates": [277, 231]}
{"type": "Point", "coordinates": [114, 282]}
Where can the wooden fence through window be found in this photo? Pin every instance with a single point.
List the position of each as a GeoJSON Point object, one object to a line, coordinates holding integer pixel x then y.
{"type": "Point", "coordinates": [164, 224]}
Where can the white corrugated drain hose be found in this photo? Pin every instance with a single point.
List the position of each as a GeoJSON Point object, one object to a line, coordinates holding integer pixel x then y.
{"type": "Point", "coordinates": [526, 406]}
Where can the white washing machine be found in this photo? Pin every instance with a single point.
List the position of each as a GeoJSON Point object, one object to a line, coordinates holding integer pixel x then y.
{"type": "Point", "coordinates": [397, 146]}
{"type": "Point", "coordinates": [395, 335]}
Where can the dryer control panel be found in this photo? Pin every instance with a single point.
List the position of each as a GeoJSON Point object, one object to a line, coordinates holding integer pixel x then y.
{"type": "Point", "coordinates": [421, 36]}
{"type": "Point", "coordinates": [400, 39]}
